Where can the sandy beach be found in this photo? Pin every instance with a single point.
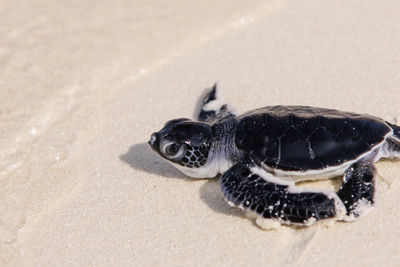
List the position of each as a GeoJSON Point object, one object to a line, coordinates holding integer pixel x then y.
{"type": "Point", "coordinates": [83, 85]}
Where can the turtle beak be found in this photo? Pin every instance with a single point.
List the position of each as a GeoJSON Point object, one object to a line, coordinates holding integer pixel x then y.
{"type": "Point", "coordinates": [154, 141]}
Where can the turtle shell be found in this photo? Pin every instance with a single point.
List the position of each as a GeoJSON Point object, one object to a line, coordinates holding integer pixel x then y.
{"type": "Point", "coordinates": [301, 138]}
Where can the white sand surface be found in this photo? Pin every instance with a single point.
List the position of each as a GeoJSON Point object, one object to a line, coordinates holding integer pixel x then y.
{"type": "Point", "coordinates": [84, 85]}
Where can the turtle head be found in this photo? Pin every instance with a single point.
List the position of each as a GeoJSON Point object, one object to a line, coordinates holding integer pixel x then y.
{"type": "Point", "coordinates": [184, 143]}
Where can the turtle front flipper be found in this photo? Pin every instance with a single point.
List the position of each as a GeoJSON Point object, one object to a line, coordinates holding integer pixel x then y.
{"type": "Point", "coordinates": [213, 106]}
{"type": "Point", "coordinates": [358, 188]}
{"type": "Point", "coordinates": [275, 201]}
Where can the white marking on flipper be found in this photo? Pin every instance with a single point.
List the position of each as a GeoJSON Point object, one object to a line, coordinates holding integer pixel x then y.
{"type": "Point", "coordinates": [215, 104]}
{"type": "Point", "coordinates": [361, 208]}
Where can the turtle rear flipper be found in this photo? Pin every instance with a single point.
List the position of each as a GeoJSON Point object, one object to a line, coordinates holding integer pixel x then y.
{"type": "Point", "coordinates": [213, 106]}
{"type": "Point", "coordinates": [396, 130]}
{"type": "Point", "coordinates": [253, 189]}
{"type": "Point", "coordinates": [358, 188]}
{"type": "Point", "coordinates": [393, 142]}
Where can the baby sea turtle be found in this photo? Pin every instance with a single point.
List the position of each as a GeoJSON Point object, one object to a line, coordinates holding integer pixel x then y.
{"type": "Point", "coordinates": [263, 152]}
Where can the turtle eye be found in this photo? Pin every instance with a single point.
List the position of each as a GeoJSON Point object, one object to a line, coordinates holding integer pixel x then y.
{"type": "Point", "coordinates": [171, 149]}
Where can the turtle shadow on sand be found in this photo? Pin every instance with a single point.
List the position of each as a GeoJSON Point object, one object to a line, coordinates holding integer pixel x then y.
{"type": "Point", "coordinates": [140, 157]}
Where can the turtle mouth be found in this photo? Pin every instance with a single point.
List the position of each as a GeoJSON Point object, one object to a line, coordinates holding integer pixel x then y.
{"type": "Point", "coordinates": [154, 141]}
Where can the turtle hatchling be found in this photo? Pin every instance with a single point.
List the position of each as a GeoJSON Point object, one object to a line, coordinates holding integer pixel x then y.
{"type": "Point", "coordinates": [262, 153]}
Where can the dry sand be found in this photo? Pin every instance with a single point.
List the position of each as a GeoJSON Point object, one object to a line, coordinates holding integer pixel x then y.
{"type": "Point", "coordinates": [83, 85]}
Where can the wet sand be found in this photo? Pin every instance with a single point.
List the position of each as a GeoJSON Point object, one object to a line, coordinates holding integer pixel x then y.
{"type": "Point", "coordinates": [84, 90]}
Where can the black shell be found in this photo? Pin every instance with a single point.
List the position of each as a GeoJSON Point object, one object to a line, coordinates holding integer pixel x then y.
{"type": "Point", "coordinates": [300, 138]}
